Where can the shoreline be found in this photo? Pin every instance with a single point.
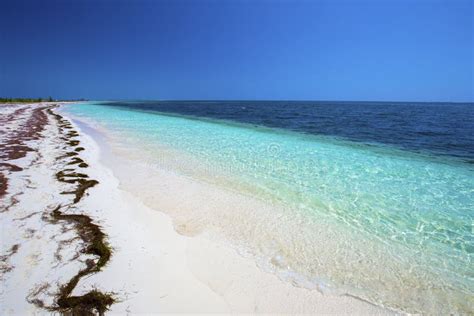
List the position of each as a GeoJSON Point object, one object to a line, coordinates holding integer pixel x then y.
{"type": "Point", "coordinates": [220, 258]}
{"type": "Point", "coordinates": [153, 268]}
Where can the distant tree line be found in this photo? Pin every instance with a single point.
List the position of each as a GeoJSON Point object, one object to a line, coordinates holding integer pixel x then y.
{"type": "Point", "coordinates": [32, 100]}
{"type": "Point", "coordinates": [25, 100]}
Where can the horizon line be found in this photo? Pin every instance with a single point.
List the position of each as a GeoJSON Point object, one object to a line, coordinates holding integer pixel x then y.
{"type": "Point", "coordinates": [275, 100]}
{"type": "Point", "coordinates": [235, 100]}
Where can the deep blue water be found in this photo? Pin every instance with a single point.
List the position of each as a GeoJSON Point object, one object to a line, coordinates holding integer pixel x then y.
{"type": "Point", "coordinates": [438, 128]}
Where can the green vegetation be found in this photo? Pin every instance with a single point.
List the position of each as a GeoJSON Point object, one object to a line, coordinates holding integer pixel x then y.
{"type": "Point", "coordinates": [21, 100]}
{"type": "Point", "coordinates": [34, 100]}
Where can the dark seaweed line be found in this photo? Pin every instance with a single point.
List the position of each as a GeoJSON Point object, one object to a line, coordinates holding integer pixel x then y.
{"type": "Point", "coordinates": [91, 234]}
{"type": "Point", "coordinates": [14, 145]}
{"type": "Point", "coordinates": [4, 266]}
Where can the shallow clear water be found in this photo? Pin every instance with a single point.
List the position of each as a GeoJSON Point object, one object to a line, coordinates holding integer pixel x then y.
{"type": "Point", "coordinates": [397, 223]}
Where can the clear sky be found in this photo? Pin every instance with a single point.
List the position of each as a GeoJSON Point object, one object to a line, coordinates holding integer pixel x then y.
{"type": "Point", "coordinates": [413, 50]}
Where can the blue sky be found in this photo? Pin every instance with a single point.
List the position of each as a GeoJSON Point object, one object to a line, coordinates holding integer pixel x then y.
{"type": "Point", "coordinates": [291, 50]}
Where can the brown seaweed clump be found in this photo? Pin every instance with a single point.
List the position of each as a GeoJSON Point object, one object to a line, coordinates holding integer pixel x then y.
{"type": "Point", "coordinates": [94, 241]}
{"type": "Point", "coordinates": [4, 266]}
{"type": "Point", "coordinates": [80, 163]}
{"type": "Point", "coordinates": [80, 179]}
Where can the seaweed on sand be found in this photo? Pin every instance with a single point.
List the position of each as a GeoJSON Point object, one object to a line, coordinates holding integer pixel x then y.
{"type": "Point", "coordinates": [67, 154]}
{"type": "Point", "coordinates": [73, 142]}
{"type": "Point", "coordinates": [82, 186]}
{"type": "Point", "coordinates": [94, 244]}
{"type": "Point", "coordinates": [80, 179]}
{"type": "Point", "coordinates": [4, 266]}
{"type": "Point", "coordinates": [80, 163]}
{"type": "Point", "coordinates": [94, 240]}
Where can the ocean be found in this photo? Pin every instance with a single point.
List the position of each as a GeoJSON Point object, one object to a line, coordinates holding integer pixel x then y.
{"type": "Point", "coordinates": [375, 199]}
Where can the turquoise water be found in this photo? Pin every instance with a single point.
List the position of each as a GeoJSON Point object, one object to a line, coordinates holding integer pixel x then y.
{"type": "Point", "coordinates": [402, 222]}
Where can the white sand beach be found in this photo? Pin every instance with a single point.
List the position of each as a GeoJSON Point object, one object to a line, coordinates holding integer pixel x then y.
{"type": "Point", "coordinates": [157, 265]}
